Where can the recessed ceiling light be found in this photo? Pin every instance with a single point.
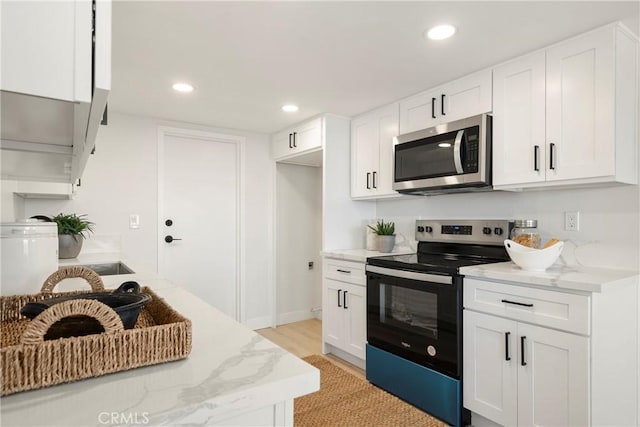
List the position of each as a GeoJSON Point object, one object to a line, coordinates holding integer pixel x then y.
{"type": "Point", "coordinates": [182, 87]}
{"type": "Point", "coordinates": [290, 108]}
{"type": "Point", "coordinates": [441, 32]}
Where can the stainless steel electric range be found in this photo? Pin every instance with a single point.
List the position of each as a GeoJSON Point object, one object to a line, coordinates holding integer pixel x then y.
{"type": "Point", "coordinates": [414, 313]}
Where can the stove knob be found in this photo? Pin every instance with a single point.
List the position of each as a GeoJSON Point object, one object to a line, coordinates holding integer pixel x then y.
{"type": "Point", "coordinates": [497, 231]}
{"type": "Point", "coordinates": [428, 229]}
{"type": "Point", "coordinates": [486, 230]}
{"type": "Point", "coordinates": [420, 229]}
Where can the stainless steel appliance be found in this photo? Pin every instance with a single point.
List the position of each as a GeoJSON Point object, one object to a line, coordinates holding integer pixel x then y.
{"type": "Point", "coordinates": [452, 157]}
{"type": "Point", "coordinates": [414, 313]}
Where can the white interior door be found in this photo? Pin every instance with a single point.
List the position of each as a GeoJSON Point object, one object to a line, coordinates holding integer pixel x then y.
{"type": "Point", "coordinates": [200, 209]}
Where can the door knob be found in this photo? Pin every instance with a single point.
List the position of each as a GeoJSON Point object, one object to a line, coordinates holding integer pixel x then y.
{"type": "Point", "coordinates": [170, 239]}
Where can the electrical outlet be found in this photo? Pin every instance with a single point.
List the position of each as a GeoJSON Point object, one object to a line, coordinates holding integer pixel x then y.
{"type": "Point", "coordinates": [572, 221]}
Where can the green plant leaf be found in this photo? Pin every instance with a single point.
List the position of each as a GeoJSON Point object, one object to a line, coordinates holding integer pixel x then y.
{"type": "Point", "coordinates": [73, 224]}
{"type": "Point", "coordinates": [384, 229]}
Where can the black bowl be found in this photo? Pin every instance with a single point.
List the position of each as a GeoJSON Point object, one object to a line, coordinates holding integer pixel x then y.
{"type": "Point", "coordinates": [126, 301]}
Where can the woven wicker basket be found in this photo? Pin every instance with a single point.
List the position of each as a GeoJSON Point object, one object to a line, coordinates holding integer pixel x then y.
{"type": "Point", "coordinates": [29, 362]}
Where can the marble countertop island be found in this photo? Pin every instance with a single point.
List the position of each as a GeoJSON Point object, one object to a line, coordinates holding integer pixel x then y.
{"type": "Point", "coordinates": [231, 372]}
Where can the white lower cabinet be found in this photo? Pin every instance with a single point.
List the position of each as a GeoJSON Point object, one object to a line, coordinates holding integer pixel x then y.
{"type": "Point", "coordinates": [520, 374]}
{"type": "Point", "coordinates": [344, 307]}
{"type": "Point", "coordinates": [550, 356]}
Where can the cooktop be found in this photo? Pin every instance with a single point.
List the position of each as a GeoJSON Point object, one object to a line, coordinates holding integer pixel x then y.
{"type": "Point", "coordinates": [446, 245]}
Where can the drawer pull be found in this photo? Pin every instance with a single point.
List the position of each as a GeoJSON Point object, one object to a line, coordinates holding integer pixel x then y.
{"type": "Point", "coordinates": [506, 346]}
{"type": "Point", "coordinates": [522, 361]}
{"type": "Point", "coordinates": [343, 271]}
{"type": "Point", "coordinates": [506, 301]}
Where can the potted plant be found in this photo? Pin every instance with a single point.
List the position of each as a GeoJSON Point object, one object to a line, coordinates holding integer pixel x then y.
{"type": "Point", "coordinates": [72, 230]}
{"type": "Point", "coordinates": [385, 235]}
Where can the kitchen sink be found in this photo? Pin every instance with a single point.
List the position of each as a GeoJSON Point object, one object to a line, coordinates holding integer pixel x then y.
{"type": "Point", "coordinates": [110, 269]}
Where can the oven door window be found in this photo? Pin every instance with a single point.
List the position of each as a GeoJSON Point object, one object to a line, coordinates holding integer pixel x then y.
{"type": "Point", "coordinates": [408, 309]}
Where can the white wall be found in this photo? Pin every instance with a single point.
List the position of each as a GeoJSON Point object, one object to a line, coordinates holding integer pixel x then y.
{"type": "Point", "coordinates": [298, 241]}
{"type": "Point", "coordinates": [121, 179]}
{"type": "Point", "coordinates": [609, 217]}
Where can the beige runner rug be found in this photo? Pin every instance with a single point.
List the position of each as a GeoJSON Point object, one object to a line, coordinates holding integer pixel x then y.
{"type": "Point", "coordinates": [346, 400]}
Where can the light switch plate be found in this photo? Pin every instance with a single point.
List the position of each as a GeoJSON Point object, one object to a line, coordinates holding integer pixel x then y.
{"type": "Point", "coordinates": [134, 221]}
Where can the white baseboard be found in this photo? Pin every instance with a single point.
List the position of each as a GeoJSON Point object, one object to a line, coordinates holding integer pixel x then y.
{"type": "Point", "coordinates": [294, 316]}
{"type": "Point", "coordinates": [328, 348]}
{"type": "Point", "coordinates": [258, 322]}
{"type": "Point", "coordinates": [480, 421]}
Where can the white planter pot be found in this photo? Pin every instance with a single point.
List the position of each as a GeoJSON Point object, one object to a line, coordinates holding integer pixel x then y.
{"type": "Point", "coordinates": [386, 243]}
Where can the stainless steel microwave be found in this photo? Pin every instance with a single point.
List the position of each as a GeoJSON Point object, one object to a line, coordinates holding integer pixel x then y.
{"type": "Point", "coordinates": [451, 157]}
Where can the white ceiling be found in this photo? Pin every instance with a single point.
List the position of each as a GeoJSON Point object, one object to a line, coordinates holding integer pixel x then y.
{"type": "Point", "coordinates": [247, 59]}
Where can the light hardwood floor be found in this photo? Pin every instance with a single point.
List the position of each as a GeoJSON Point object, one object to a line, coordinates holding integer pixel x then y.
{"type": "Point", "coordinates": [304, 339]}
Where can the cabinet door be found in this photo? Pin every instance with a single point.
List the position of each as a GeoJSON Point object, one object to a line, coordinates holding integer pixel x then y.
{"type": "Point", "coordinates": [580, 107]}
{"type": "Point", "coordinates": [333, 313]}
{"type": "Point", "coordinates": [465, 97]}
{"type": "Point", "coordinates": [356, 318]}
{"type": "Point", "coordinates": [388, 128]}
{"type": "Point", "coordinates": [307, 136]}
{"type": "Point", "coordinates": [282, 144]}
{"type": "Point", "coordinates": [364, 155]}
{"type": "Point", "coordinates": [553, 377]}
{"type": "Point", "coordinates": [490, 367]}
{"type": "Point", "coordinates": [519, 121]}
{"type": "Point", "coordinates": [46, 49]}
{"type": "Point", "coordinates": [372, 153]}
{"type": "Point", "coordinates": [419, 111]}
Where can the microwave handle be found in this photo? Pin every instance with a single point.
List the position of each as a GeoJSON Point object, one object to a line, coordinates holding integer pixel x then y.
{"type": "Point", "coordinates": [457, 154]}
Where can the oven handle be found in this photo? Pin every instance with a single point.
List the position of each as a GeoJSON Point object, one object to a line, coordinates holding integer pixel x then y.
{"type": "Point", "coordinates": [424, 277]}
{"type": "Point", "coordinates": [457, 156]}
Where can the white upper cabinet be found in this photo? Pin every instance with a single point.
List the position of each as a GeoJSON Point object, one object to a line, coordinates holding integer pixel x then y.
{"type": "Point", "coordinates": [46, 49]}
{"type": "Point", "coordinates": [568, 114]}
{"type": "Point", "coordinates": [303, 138]}
{"type": "Point", "coordinates": [465, 97]}
{"type": "Point", "coordinates": [519, 147]}
{"type": "Point", "coordinates": [55, 80]}
{"type": "Point", "coordinates": [372, 153]}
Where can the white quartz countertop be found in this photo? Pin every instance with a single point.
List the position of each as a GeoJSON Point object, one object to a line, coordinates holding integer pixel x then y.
{"type": "Point", "coordinates": [231, 370]}
{"type": "Point", "coordinates": [361, 255]}
{"type": "Point", "coordinates": [576, 278]}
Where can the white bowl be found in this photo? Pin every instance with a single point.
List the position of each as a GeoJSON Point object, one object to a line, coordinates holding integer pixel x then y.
{"type": "Point", "coordinates": [531, 259]}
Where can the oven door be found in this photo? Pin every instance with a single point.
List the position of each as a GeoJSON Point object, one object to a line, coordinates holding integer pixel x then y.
{"type": "Point", "coordinates": [416, 316]}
